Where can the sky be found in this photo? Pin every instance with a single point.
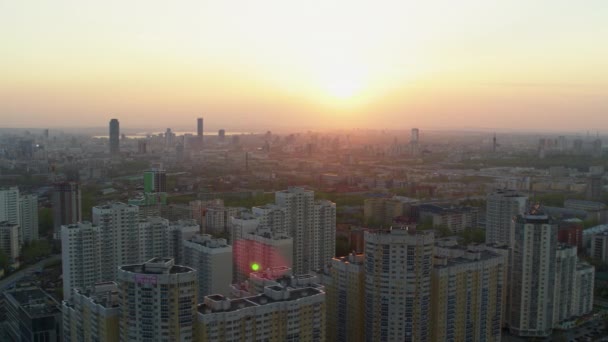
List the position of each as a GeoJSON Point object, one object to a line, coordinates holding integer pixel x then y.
{"type": "Point", "coordinates": [284, 64]}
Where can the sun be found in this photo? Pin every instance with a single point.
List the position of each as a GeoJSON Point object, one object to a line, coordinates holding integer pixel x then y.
{"type": "Point", "coordinates": [344, 87]}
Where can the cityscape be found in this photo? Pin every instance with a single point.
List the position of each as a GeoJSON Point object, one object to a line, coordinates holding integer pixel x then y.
{"type": "Point", "coordinates": [303, 171]}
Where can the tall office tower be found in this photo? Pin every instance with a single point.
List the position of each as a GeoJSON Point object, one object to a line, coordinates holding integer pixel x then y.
{"type": "Point", "coordinates": [599, 246]}
{"type": "Point", "coordinates": [583, 289]}
{"type": "Point", "coordinates": [212, 258]}
{"type": "Point", "coordinates": [279, 314]}
{"type": "Point", "coordinates": [494, 143]}
{"type": "Point", "coordinates": [312, 227]}
{"type": "Point", "coordinates": [398, 265]}
{"type": "Point", "coordinates": [153, 238]}
{"type": "Point", "coordinates": [9, 240]}
{"type": "Point", "coordinates": [155, 180]}
{"type": "Point", "coordinates": [28, 209]}
{"type": "Point", "coordinates": [91, 314]}
{"type": "Point", "coordinates": [80, 256]}
{"type": "Point", "coordinates": [565, 268]}
{"type": "Point", "coordinates": [114, 137]}
{"type": "Point", "coordinates": [9, 205]}
{"type": "Point", "coordinates": [261, 249]}
{"type": "Point", "coordinates": [119, 231]}
{"type": "Point", "coordinates": [31, 315]}
{"type": "Point", "coordinates": [221, 135]}
{"type": "Point", "coordinates": [67, 205]}
{"type": "Point", "coordinates": [501, 208]}
{"type": "Point", "coordinates": [467, 293]}
{"type": "Point", "coordinates": [414, 142]}
{"type": "Point", "coordinates": [158, 301]}
{"type": "Point", "coordinates": [344, 281]}
{"type": "Point", "coordinates": [532, 275]}
{"type": "Point", "coordinates": [199, 130]}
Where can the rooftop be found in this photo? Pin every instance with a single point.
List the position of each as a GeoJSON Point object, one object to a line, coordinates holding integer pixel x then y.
{"type": "Point", "coordinates": [157, 266]}
{"type": "Point", "coordinates": [272, 294]}
{"type": "Point", "coordinates": [34, 301]}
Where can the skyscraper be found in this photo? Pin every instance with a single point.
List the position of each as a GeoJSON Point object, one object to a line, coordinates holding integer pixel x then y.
{"type": "Point", "coordinates": [67, 205]}
{"type": "Point", "coordinates": [398, 265]}
{"type": "Point", "coordinates": [221, 134]}
{"type": "Point", "coordinates": [199, 130]}
{"type": "Point", "coordinates": [501, 208]}
{"type": "Point", "coordinates": [414, 142]}
{"type": "Point", "coordinates": [159, 301]}
{"type": "Point", "coordinates": [114, 137]}
{"type": "Point", "coordinates": [532, 275]}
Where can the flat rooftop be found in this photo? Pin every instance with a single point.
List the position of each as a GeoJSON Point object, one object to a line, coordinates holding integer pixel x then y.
{"type": "Point", "coordinates": [34, 301]}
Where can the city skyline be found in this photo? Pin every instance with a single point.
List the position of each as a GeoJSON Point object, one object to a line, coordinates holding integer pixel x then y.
{"type": "Point", "coordinates": [326, 65]}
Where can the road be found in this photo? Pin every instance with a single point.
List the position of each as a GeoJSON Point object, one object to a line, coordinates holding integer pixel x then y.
{"type": "Point", "coordinates": [15, 277]}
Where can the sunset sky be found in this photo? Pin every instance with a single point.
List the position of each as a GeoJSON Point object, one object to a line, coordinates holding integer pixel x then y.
{"type": "Point", "coordinates": [274, 64]}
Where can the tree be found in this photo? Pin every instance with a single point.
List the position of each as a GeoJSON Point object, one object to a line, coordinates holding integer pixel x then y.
{"type": "Point", "coordinates": [45, 222]}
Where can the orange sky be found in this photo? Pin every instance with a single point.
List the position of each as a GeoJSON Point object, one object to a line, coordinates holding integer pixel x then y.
{"type": "Point", "coordinates": [270, 64]}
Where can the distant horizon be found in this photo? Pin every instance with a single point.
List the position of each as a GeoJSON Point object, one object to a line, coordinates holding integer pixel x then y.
{"type": "Point", "coordinates": [103, 131]}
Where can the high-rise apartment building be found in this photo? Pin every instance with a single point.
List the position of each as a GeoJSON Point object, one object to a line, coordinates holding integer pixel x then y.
{"type": "Point", "coordinates": [153, 238]}
{"type": "Point", "coordinates": [92, 314]}
{"type": "Point", "coordinates": [398, 265]}
{"type": "Point", "coordinates": [158, 301]}
{"type": "Point", "coordinates": [31, 315]}
{"type": "Point", "coordinates": [118, 225]}
{"type": "Point", "coordinates": [213, 216]}
{"type": "Point", "coordinates": [312, 226]}
{"type": "Point", "coordinates": [67, 205]}
{"type": "Point", "coordinates": [212, 258]}
{"type": "Point", "coordinates": [9, 240]}
{"type": "Point", "coordinates": [261, 249]}
{"type": "Point", "coordinates": [9, 205]}
{"type": "Point", "coordinates": [583, 289]}
{"type": "Point", "coordinates": [344, 281]}
{"type": "Point", "coordinates": [599, 246]}
{"type": "Point", "coordinates": [533, 268]}
{"type": "Point", "coordinates": [501, 208]}
{"type": "Point", "coordinates": [221, 135]}
{"type": "Point", "coordinates": [114, 137]}
{"type": "Point", "coordinates": [28, 210]}
{"type": "Point", "coordinates": [467, 294]}
{"type": "Point", "coordinates": [565, 268]}
{"type": "Point", "coordinates": [80, 256]}
{"type": "Point", "coordinates": [279, 314]}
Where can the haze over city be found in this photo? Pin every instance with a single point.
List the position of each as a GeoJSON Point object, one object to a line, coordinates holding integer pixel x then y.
{"type": "Point", "coordinates": [255, 65]}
